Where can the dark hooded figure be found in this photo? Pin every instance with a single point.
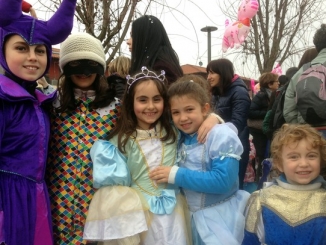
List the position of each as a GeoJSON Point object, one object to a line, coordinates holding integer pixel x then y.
{"type": "Point", "coordinates": [150, 46]}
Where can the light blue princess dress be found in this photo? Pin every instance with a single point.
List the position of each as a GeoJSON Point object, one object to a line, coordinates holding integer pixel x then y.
{"type": "Point", "coordinates": [128, 201]}
{"type": "Point", "coordinates": [208, 175]}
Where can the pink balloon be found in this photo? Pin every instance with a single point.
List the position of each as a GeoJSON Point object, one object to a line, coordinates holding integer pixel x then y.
{"type": "Point", "coordinates": [234, 35]}
{"type": "Point", "coordinates": [227, 22]}
{"type": "Point", "coordinates": [277, 69]}
{"type": "Point", "coordinates": [252, 85]}
{"type": "Point", "coordinates": [248, 9]}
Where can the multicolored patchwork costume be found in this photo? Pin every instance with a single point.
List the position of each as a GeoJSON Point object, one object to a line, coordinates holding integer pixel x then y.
{"type": "Point", "coordinates": [70, 167]}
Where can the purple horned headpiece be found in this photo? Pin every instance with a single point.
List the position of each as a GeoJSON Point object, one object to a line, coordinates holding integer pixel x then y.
{"type": "Point", "coordinates": [33, 31]}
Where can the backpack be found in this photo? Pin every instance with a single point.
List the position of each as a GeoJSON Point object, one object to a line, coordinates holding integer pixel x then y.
{"type": "Point", "coordinates": [311, 93]}
{"type": "Point", "coordinates": [278, 105]}
{"type": "Point", "coordinates": [276, 114]}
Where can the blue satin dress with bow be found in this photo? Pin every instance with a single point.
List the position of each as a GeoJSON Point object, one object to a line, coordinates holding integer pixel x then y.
{"type": "Point", "coordinates": [128, 201]}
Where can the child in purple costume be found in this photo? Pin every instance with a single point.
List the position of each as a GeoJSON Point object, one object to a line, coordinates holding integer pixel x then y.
{"type": "Point", "coordinates": [25, 55]}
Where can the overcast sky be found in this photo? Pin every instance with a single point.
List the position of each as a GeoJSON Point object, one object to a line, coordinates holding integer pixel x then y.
{"type": "Point", "coordinates": [183, 20]}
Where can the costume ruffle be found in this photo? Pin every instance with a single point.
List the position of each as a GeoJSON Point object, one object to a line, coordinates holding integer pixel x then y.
{"type": "Point", "coordinates": [115, 212]}
{"type": "Point", "coordinates": [118, 211]}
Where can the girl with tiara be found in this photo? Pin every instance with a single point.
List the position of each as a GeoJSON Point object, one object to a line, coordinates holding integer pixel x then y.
{"type": "Point", "coordinates": [207, 173]}
{"type": "Point", "coordinates": [25, 44]}
{"type": "Point", "coordinates": [130, 208]}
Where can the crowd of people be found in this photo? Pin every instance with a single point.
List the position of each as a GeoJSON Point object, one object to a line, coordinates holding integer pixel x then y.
{"type": "Point", "coordinates": [137, 153]}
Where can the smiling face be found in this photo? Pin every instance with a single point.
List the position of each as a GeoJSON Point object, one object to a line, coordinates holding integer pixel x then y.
{"type": "Point", "coordinates": [26, 62]}
{"type": "Point", "coordinates": [148, 104]}
{"type": "Point", "coordinates": [84, 82]}
{"type": "Point", "coordinates": [187, 113]}
{"type": "Point", "coordinates": [213, 79]}
{"type": "Point", "coordinates": [300, 162]}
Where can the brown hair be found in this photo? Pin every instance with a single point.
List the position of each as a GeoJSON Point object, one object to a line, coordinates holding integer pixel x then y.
{"type": "Point", "coordinates": [225, 69]}
{"type": "Point", "coordinates": [191, 89]}
{"type": "Point", "coordinates": [308, 56]}
{"type": "Point", "coordinates": [120, 66]}
{"type": "Point", "coordinates": [293, 133]}
{"type": "Point", "coordinates": [266, 79]}
{"type": "Point", "coordinates": [104, 95]}
{"type": "Point", "coordinates": [197, 79]}
{"type": "Point", "coordinates": [127, 123]}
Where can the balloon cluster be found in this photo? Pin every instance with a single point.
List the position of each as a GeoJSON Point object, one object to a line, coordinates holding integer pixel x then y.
{"type": "Point", "coordinates": [236, 33]}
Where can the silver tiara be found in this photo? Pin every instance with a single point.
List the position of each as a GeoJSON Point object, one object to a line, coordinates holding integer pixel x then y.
{"type": "Point", "coordinates": [145, 73]}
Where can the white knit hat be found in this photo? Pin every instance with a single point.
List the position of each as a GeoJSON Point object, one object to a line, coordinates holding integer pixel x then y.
{"type": "Point", "coordinates": [79, 46]}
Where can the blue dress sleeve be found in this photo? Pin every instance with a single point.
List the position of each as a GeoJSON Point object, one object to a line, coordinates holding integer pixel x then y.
{"type": "Point", "coordinates": [224, 149]}
{"type": "Point", "coordinates": [109, 165]}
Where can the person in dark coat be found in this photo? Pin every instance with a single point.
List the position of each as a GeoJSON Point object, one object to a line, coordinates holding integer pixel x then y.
{"type": "Point", "coordinates": [230, 100]}
{"type": "Point", "coordinates": [118, 69]}
{"type": "Point", "coordinates": [259, 106]}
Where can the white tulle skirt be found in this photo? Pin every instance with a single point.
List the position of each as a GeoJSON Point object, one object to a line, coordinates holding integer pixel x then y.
{"type": "Point", "coordinates": [119, 215]}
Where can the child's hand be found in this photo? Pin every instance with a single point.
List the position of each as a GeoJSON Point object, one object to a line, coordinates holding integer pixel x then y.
{"type": "Point", "coordinates": [42, 81]}
{"type": "Point", "coordinates": [207, 125]}
{"type": "Point", "coordinates": [160, 174]}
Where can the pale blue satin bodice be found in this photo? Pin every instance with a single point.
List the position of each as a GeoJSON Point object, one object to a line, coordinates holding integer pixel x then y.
{"type": "Point", "coordinates": [144, 152]}
{"type": "Point", "coordinates": [220, 156]}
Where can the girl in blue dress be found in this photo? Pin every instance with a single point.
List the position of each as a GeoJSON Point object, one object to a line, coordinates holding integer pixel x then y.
{"type": "Point", "coordinates": [207, 172]}
{"type": "Point", "coordinates": [129, 207]}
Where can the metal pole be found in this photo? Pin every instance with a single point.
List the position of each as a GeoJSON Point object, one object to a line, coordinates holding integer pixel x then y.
{"type": "Point", "coordinates": [209, 29]}
{"type": "Point", "coordinates": [209, 46]}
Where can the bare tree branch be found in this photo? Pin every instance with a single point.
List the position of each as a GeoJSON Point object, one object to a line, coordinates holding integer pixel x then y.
{"type": "Point", "coordinates": [279, 30]}
{"type": "Point", "coordinates": [107, 20]}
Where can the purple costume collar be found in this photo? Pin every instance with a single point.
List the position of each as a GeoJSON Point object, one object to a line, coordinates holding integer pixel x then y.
{"type": "Point", "coordinates": [11, 91]}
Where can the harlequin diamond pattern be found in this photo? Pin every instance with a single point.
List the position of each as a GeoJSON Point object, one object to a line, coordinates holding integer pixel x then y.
{"type": "Point", "coordinates": [69, 172]}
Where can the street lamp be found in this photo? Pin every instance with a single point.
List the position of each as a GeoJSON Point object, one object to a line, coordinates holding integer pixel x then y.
{"type": "Point", "coordinates": [209, 29]}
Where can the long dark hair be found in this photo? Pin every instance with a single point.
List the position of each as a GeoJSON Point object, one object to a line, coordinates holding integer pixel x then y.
{"type": "Point", "coordinates": [104, 95]}
{"type": "Point", "coordinates": [308, 56]}
{"type": "Point", "coordinates": [151, 44]}
{"type": "Point", "coordinates": [127, 123]}
{"type": "Point", "coordinates": [225, 69]}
